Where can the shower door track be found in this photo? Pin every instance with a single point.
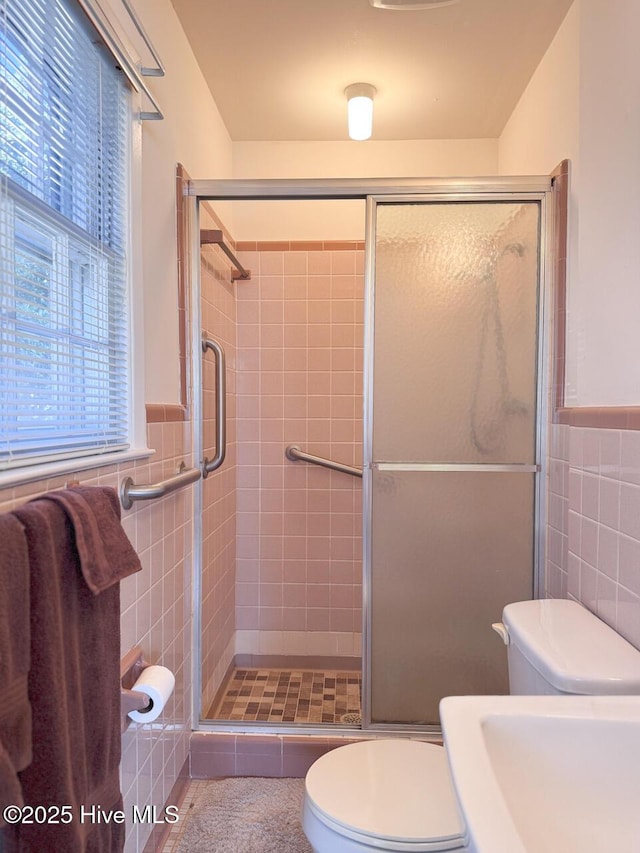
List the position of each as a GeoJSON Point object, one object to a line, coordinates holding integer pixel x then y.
{"type": "Point", "coordinates": [322, 730]}
{"type": "Point", "coordinates": [502, 188]}
{"type": "Point", "coordinates": [462, 467]}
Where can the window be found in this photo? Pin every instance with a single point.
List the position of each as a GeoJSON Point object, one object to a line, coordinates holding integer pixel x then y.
{"type": "Point", "coordinates": [64, 140]}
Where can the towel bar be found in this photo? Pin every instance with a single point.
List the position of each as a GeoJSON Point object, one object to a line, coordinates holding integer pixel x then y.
{"type": "Point", "coordinates": [158, 70]}
{"type": "Point", "coordinates": [129, 492]}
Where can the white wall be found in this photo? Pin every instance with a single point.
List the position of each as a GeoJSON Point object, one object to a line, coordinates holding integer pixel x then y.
{"type": "Point", "coordinates": [373, 158]}
{"type": "Point", "coordinates": [605, 354]}
{"type": "Point", "coordinates": [193, 134]}
{"type": "Point", "coordinates": [544, 127]}
{"type": "Point", "coordinates": [428, 158]}
{"type": "Point", "coordinates": [583, 104]}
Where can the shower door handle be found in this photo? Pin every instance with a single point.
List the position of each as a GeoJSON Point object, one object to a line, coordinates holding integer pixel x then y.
{"type": "Point", "coordinates": [210, 465]}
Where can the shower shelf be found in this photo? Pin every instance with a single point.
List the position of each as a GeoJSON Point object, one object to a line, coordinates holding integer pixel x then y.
{"type": "Point", "coordinates": [214, 236]}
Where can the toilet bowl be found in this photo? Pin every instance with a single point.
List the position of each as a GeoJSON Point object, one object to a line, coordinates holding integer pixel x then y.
{"type": "Point", "coordinates": [382, 795]}
{"type": "Point", "coordinates": [397, 795]}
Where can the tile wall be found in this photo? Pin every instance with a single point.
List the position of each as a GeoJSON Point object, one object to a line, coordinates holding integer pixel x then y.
{"type": "Point", "coordinates": [593, 548]}
{"type": "Point", "coordinates": [220, 754]}
{"type": "Point", "coordinates": [156, 613]}
{"type": "Point", "coordinates": [593, 524]}
{"type": "Point", "coordinates": [299, 382]}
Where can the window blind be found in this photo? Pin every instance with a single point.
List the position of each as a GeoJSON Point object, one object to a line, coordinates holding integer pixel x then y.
{"type": "Point", "coordinates": [64, 131]}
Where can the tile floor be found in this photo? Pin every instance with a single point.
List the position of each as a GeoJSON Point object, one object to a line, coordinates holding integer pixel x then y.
{"type": "Point", "coordinates": [290, 696]}
{"type": "Point", "coordinates": [175, 834]}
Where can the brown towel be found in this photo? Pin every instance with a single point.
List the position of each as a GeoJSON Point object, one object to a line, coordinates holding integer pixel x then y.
{"type": "Point", "coordinates": [74, 681]}
{"type": "Point", "coordinates": [15, 710]}
{"type": "Point", "coordinates": [10, 790]}
{"type": "Point", "coordinates": [106, 555]}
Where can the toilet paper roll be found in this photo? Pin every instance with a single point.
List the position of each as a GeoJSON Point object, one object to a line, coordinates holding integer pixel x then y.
{"type": "Point", "coordinates": [156, 682]}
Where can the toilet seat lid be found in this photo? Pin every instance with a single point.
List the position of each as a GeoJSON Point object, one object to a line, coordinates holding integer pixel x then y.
{"type": "Point", "coordinates": [397, 790]}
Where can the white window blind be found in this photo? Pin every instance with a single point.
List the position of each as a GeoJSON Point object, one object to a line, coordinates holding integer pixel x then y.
{"type": "Point", "coordinates": [64, 131]}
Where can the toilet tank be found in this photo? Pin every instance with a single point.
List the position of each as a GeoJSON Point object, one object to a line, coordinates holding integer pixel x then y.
{"type": "Point", "coordinates": [556, 646]}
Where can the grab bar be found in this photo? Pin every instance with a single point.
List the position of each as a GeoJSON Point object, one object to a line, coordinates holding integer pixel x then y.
{"type": "Point", "coordinates": [215, 235]}
{"type": "Point", "coordinates": [210, 465]}
{"type": "Point", "coordinates": [294, 453]}
{"type": "Point", "coordinates": [129, 492]}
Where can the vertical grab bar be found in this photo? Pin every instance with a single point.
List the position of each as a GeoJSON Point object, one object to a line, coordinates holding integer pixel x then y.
{"type": "Point", "coordinates": [210, 465]}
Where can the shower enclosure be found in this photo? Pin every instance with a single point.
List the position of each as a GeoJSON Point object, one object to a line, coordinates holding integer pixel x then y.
{"type": "Point", "coordinates": [453, 399]}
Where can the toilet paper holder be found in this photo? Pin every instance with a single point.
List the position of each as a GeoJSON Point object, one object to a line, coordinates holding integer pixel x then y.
{"type": "Point", "coordinates": [131, 665]}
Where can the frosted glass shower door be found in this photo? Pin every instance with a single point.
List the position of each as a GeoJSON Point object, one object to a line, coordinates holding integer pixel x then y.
{"type": "Point", "coordinates": [452, 446]}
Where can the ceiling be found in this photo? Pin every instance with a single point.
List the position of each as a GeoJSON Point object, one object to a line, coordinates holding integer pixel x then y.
{"type": "Point", "coordinates": [277, 69]}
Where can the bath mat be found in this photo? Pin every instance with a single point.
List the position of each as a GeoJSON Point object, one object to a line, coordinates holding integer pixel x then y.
{"type": "Point", "coordinates": [246, 815]}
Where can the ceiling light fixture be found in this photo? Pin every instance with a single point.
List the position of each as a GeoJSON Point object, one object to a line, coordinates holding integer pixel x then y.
{"type": "Point", "coordinates": [412, 5]}
{"type": "Point", "coordinates": [360, 110]}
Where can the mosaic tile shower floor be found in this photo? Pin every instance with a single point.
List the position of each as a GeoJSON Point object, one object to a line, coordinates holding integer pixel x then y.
{"type": "Point", "coordinates": [290, 696]}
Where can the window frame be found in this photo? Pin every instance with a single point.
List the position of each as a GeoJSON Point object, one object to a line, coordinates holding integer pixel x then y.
{"type": "Point", "coordinates": [137, 448]}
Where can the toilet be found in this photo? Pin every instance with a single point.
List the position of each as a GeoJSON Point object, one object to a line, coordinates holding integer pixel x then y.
{"type": "Point", "coordinates": [396, 794]}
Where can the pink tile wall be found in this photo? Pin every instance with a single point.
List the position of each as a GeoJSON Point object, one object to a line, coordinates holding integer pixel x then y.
{"type": "Point", "coordinates": [222, 754]}
{"type": "Point", "coordinates": [299, 382]}
{"type": "Point", "coordinates": [155, 612]}
{"type": "Point", "coordinates": [218, 307]}
{"type": "Point", "coordinates": [593, 548]}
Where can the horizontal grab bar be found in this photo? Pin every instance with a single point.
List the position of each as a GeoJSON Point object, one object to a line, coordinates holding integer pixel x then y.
{"type": "Point", "coordinates": [294, 453]}
{"type": "Point", "coordinates": [129, 492]}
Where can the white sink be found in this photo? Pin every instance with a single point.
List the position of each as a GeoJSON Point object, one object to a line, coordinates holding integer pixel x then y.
{"type": "Point", "coordinates": [546, 774]}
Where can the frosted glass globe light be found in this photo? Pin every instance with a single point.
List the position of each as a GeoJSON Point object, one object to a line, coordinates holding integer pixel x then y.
{"type": "Point", "coordinates": [360, 110]}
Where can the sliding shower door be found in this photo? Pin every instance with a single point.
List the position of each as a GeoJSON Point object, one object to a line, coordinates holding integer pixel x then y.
{"type": "Point", "coordinates": [452, 445]}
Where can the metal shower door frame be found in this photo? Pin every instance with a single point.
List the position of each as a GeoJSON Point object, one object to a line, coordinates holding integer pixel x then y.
{"type": "Point", "coordinates": [372, 191]}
